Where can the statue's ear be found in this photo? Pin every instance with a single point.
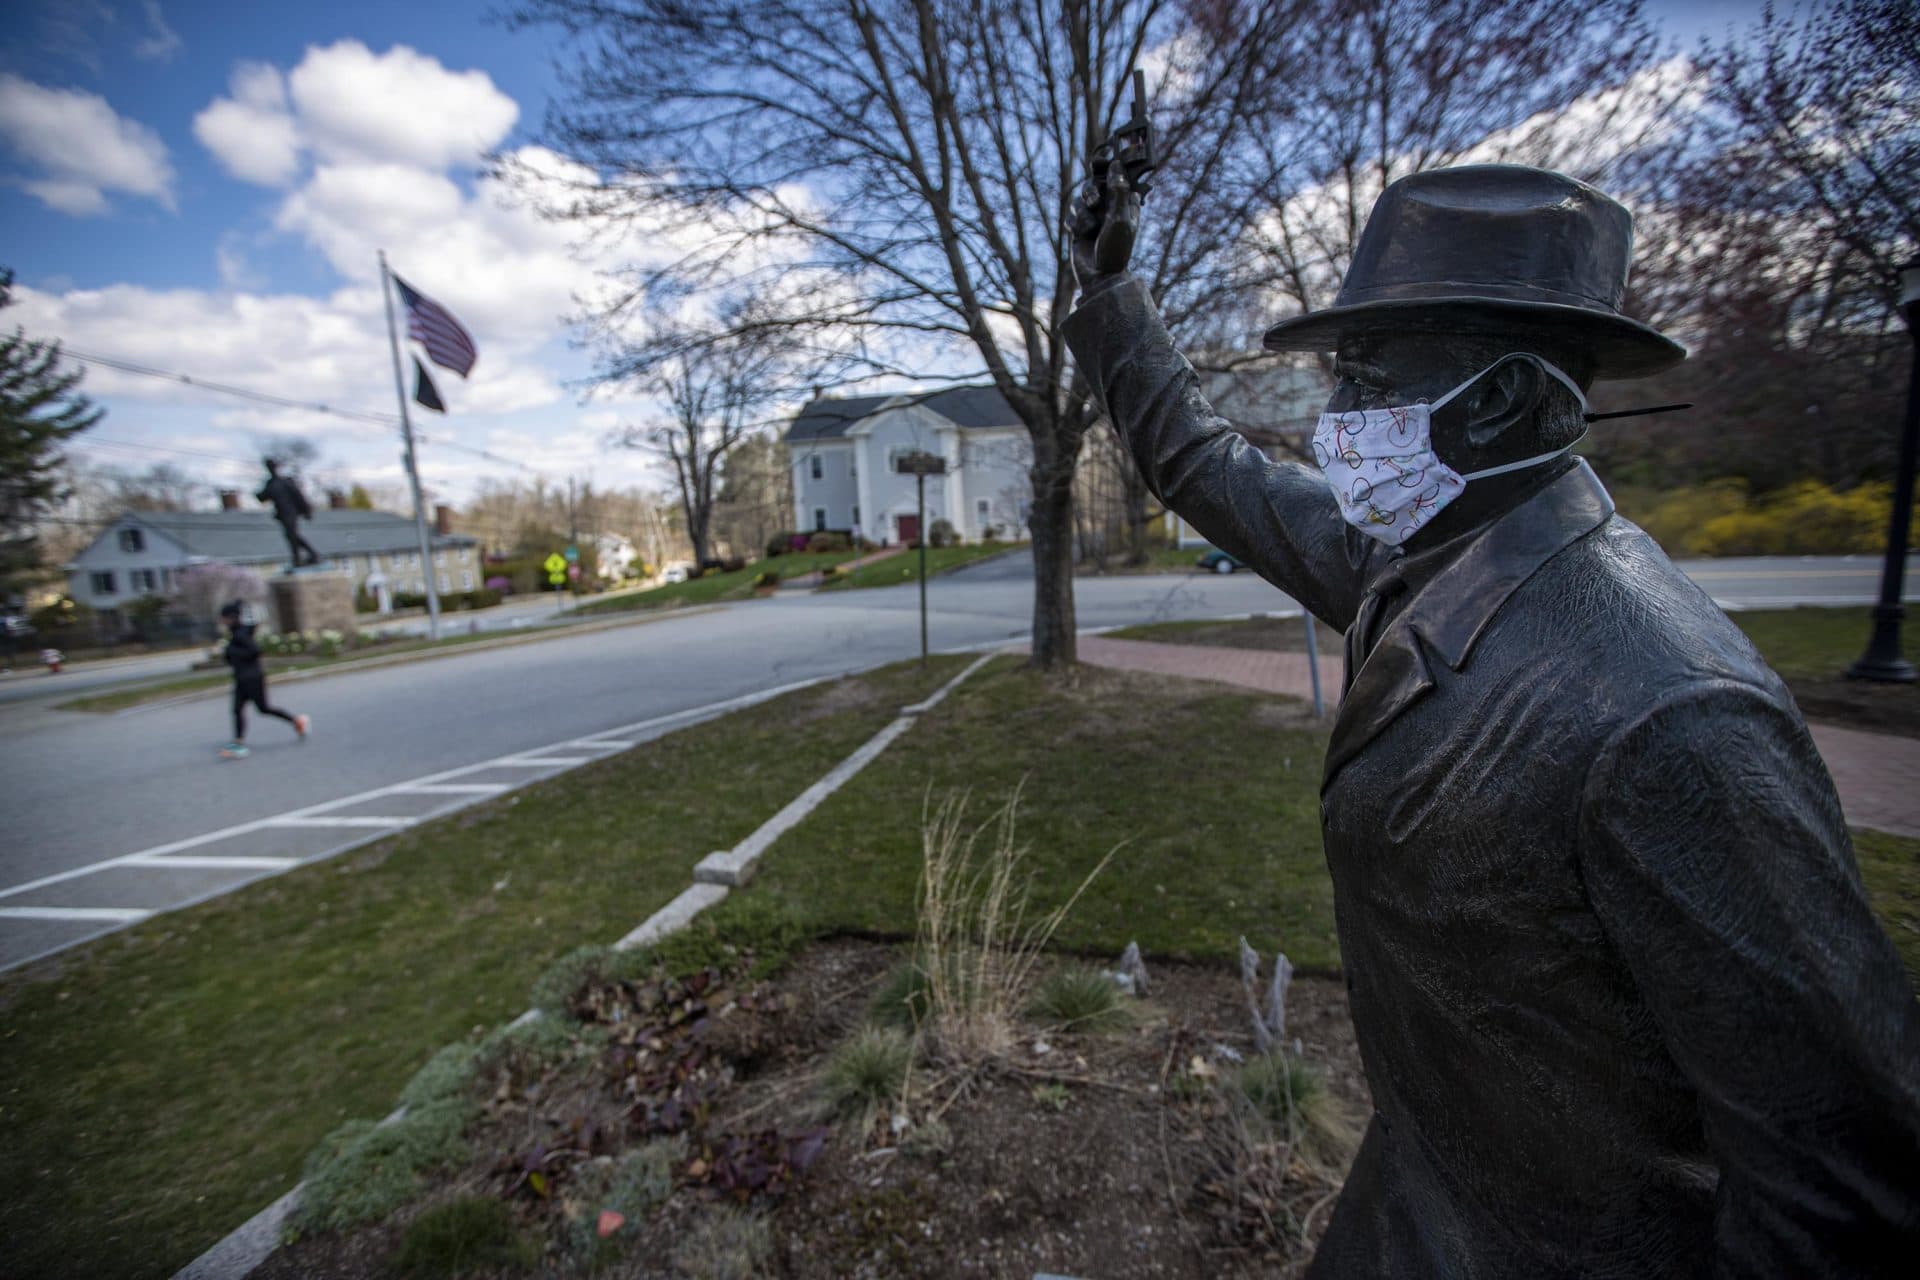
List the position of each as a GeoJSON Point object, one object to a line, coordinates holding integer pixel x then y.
{"type": "Point", "coordinates": [1506, 396]}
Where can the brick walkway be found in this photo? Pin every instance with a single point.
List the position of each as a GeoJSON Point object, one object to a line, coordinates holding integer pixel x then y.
{"type": "Point", "coordinates": [1877, 774]}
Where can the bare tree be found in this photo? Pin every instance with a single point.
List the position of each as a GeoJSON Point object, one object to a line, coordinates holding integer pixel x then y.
{"type": "Point", "coordinates": [896, 176]}
{"type": "Point", "coordinates": [717, 392]}
{"type": "Point", "coordinates": [756, 495]}
{"type": "Point", "coordinates": [1790, 204]}
{"type": "Point", "coordinates": [1398, 86]}
{"type": "Point", "coordinates": [161, 487]}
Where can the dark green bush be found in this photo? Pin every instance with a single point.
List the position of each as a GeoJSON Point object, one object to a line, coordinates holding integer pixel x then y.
{"type": "Point", "coordinates": [473, 1233]}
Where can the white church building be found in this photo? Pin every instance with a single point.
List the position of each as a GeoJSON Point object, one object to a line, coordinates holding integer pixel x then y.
{"type": "Point", "coordinates": [843, 451]}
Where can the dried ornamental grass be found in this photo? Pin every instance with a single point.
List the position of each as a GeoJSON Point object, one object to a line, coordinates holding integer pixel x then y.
{"type": "Point", "coordinates": [974, 943]}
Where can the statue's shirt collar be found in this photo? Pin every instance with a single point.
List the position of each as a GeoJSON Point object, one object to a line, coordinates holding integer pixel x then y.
{"type": "Point", "coordinates": [1454, 592]}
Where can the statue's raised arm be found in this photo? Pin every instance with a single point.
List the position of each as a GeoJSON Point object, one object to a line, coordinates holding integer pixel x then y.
{"type": "Point", "coordinates": [1280, 518]}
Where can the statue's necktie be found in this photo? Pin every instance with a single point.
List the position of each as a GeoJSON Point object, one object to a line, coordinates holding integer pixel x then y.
{"type": "Point", "coordinates": [1371, 620]}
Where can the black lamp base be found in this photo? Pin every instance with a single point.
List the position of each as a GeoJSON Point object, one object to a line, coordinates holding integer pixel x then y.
{"type": "Point", "coordinates": [1882, 660]}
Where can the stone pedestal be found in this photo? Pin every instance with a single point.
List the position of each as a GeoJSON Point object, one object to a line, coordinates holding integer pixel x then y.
{"type": "Point", "coordinates": [313, 600]}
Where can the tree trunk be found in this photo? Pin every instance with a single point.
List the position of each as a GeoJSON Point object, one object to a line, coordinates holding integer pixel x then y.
{"type": "Point", "coordinates": [1136, 511]}
{"type": "Point", "coordinates": [1051, 524]}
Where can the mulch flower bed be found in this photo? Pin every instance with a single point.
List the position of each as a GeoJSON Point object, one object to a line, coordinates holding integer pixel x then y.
{"type": "Point", "coordinates": [685, 1134]}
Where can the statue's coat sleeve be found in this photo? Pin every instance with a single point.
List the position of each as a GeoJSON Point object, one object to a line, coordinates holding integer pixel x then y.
{"type": "Point", "coordinates": [1715, 853]}
{"type": "Point", "coordinates": [1278, 517]}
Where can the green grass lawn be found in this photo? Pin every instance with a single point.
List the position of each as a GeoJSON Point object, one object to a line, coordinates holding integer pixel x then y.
{"type": "Point", "coordinates": [162, 1085]}
{"type": "Point", "coordinates": [1891, 867]}
{"type": "Point", "coordinates": [713, 587]}
{"type": "Point", "coordinates": [905, 567]}
{"type": "Point", "coordinates": [1212, 794]}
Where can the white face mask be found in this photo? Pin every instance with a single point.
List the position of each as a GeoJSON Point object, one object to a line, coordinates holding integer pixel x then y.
{"type": "Point", "coordinates": [1380, 462]}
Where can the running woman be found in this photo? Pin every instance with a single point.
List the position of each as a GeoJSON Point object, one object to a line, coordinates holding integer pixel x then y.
{"type": "Point", "coordinates": [249, 679]}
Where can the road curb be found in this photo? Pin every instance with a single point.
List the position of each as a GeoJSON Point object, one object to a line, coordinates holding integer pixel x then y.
{"type": "Point", "coordinates": [242, 1250]}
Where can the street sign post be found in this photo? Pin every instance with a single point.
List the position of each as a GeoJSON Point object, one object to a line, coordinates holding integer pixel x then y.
{"type": "Point", "coordinates": [920, 465]}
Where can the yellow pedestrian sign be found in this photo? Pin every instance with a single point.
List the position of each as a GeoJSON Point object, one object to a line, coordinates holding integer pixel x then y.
{"type": "Point", "coordinates": [556, 567]}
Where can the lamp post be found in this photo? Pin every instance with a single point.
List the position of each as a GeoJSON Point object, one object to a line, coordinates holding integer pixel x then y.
{"type": "Point", "coordinates": [1882, 660]}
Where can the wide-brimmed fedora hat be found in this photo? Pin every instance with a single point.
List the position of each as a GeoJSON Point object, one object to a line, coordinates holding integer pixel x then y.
{"type": "Point", "coordinates": [1492, 245]}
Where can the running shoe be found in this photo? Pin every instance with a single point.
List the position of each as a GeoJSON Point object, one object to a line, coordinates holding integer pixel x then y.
{"type": "Point", "coordinates": [301, 724]}
{"type": "Point", "coordinates": [234, 751]}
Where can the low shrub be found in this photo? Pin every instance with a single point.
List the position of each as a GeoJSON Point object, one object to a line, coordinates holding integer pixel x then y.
{"type": "Point", "coordinates": [1293, 1100]}
{"type": "Point", "coordinates": [1080, 1000]}
{"type": "Point", "coordinates": [942, 535]}
{"type": "Point", "coordinates": [829, 541]}
{"type": "Point", "coordinates": [64, 616]}
{"type": "Point", "coordinates": [903, 998]}
{"type": "Point", "coordinates": [765, 580]}
{"type": "Point", "coordinates": [481, 598]}
{"type": "Point", "coordinates": [473, 1233]}
{"type": "Point", "coordinates": [863, 1074]}
{"type": "Point", "coordinates": [633, 1187]}
{"type": "Point", "coordinates": [1723, 518]}
{"type": "Point", "coordinates": [297, 644]}
{"type": "Point", "coordinates": [726, 1244]}
{"type": "Point", "coordinates": [555, 990]}
{"type": "Point", "coordinates": [363, 1171]}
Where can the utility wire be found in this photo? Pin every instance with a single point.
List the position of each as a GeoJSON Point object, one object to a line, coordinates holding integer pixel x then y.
{"type": "Point", "coordinates": [139, 447]}
{"type": "Point", "coordinates": [262, 397]}
{"type": "Point", "coordinates": [146, 371]}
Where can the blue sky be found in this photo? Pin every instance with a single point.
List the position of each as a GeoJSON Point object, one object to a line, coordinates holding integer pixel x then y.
{"type": "Point", "coordinates": [201, 187]}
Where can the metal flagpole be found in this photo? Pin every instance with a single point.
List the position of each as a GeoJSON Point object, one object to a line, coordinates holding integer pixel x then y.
{"type": "Point", "coordinates": [413, 469]}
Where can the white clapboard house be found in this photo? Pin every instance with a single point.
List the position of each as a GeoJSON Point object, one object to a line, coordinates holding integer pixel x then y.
{"type": "Point", "coordinates": [843, 451]}
{"type": "Point", "coordinates": [142, 553]}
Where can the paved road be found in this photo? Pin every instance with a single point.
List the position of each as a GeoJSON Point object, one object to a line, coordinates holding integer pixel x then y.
{"type": "Point", "coordinates": [142, 791]}
{"type": "Point", "coordinates": [30, 680]}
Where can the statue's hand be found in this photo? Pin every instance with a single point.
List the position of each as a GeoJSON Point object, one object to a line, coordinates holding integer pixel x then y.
{"type": "Point", "coordinates": [1106, 219]}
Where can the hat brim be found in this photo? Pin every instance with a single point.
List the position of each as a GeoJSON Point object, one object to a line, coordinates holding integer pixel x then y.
{"type": "Point", "coordinates": [1621, 348]}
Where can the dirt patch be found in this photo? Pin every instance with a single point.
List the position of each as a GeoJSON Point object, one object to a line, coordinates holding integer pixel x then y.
{"type": "Point", "coordinates": [1114, 1155]}
{"type": "Point", "coordinates": [831, 699]}
{"type": "Point", "coordinates": [1860, 704]}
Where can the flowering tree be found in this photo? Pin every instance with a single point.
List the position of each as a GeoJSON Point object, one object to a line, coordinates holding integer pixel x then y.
{"type": "Point", "coordinates": [202, 589]}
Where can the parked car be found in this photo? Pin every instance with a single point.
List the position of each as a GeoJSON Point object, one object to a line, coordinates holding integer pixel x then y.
{"type": "Point", "coordinates": [1214, 560]}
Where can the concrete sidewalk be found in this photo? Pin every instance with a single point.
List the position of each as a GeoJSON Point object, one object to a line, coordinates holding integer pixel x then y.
{"type": "Point", "coordinates": [1876, 774]}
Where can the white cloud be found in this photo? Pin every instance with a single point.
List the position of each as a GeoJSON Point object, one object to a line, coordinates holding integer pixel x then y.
{"type": "Point", "coordinates": [161, 41]}
{"type": "Point", "coordinates": [230, 257]}
{"type": "Point", "coordinates": [251, 133]}
{"type": "Point", "coordinates": [376, 152]}
{"type": "Point", "coordinates": [352, 108]}
{"type": "Point", "coordinates": [399, 106]}
{"type": "Point", "coordinates": [80, 147]}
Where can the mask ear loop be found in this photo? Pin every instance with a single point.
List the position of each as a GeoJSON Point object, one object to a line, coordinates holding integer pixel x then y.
{"type": "Point", "coordinates": [1551, 370]}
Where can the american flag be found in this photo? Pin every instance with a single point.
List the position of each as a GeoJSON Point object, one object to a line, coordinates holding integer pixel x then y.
{"type": "Point", "coordinates": [433, 327]}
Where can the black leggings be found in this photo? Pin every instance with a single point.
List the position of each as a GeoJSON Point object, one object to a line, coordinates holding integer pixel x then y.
{"type": "Point", "coordinates": [252, 689]}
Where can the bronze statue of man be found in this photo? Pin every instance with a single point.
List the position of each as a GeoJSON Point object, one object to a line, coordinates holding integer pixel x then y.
{"type": "Point", "coordinates": [1623, 1007]}
{"type": "Point", "coordinates": [290, 506]}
